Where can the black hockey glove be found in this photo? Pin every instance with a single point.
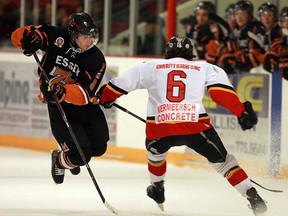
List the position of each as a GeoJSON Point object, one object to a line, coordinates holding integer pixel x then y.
{"type": "Point", "coordinates": [107, 104]}
{"type": "Point", "coordinates": [248, 118]}
{"type": "Point", "coordinates": [48, 91]}
{"type": "Point", "coordinates": [31, 42]}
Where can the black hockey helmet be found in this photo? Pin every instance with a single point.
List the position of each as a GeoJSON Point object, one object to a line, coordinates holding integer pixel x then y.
{"type": "Point", "coordinates": [284, 13]}
{"type": "Point", "coordinates": [268, 7]}
{"type": "Point", "coordinates": [82, 23]}
{"type": "Point", "coordinates": [179, 47]}
{"type": "Point", "coordinates": [230, 10]}
{"type": "Point", "coordinates": [244, 5]}
{"type": "Point", "coordinates": [205, 5]}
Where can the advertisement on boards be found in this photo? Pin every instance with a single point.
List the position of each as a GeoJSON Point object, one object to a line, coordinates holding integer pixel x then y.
{"type": "Point", "coordinates": [21, 111]}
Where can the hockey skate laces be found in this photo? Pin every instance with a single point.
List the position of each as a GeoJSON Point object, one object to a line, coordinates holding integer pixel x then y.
{"type": "Point", "coordinates": [59, 171]}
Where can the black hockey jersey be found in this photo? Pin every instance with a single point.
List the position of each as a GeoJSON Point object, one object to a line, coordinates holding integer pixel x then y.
{"type": "Point", "coordinates": [79, 72]}
{"type": "Point", "coordinates": [243, 41]}
{"type": "Point", "coordinates": [271, 36]}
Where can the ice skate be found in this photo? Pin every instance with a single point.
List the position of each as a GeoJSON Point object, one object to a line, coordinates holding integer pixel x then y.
{"type": "Point", "coordinates": [56, 172]}
{"type": "Point", "coordinates": [156, 192]}
{"type": "Point", "coordinates": [75, 171]}
{"type": "Point", "coordinates": [258, 205]}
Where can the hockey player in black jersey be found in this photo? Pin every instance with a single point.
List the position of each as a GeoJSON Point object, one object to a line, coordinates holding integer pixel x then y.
{"type": "Point", "coordinates": [244, 57]}
{"type": "Point", "coordinates": [75, 67]}
{"type": "Point", "coordinates": [277, 55]}
{"type": "Point", "coordinates": [268, 16]}
{"type": "Point", "coordinates": [204, 28]}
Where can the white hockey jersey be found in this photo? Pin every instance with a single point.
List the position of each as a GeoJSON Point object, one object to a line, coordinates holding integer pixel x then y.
{"type": "Point", "coordinates": [176, 89]}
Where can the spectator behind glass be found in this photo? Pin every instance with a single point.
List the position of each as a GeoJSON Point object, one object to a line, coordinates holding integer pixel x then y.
{"type": "Point", "coordinates": [187, 23]}
{"type": "Point", "coordinates": [248, 48]}
{"type": "Point", "coordinates": [2, 29]}
{"type": "Point", "coordinates": [46, 14]}
{"type": "Point", "coordinates": [125, 46]}
{"type": "Point", "coordinates": [277, 55]}
{"type": "Point", "coordinates": [204, 29]}
{"type": "Point", "coordinates": [154, 40]}
{"type": "Point", "coordinates": [230, 16]}
{"type": "Point", "coordinates": [9, 20]}
{"type": "Point", "coordinates": [268, 16]}
{"type": "Point", "coordinates": [217, 50]}
{"type": "Point", "coordinates": [284, 17]}
{"type": "Point", "coordinates": [62, 17]}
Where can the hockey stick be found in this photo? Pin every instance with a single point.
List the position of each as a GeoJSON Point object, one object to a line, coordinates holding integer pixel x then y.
{"type": "Point", "coordinates": [276, 191]}
{"type": "Point", "coordinates": [255, 38]}
{"type": "Point", "coordinates": [109, 207]}
{"type": "Point", "coordinates": [285, 31]}
{"type": "Point", "coordinates": [141, 119]}
{"type": "Point", "coordinates": [130, 113]}
{"type": "Point", "coordinates": [221, 21]}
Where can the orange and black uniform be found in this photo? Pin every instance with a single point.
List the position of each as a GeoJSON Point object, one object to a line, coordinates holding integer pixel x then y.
{"type": "Point", "coordinates": [245, 55]}
{"type": "Point", "coordinates": [203, 34]}
{"type": "Point", "coordinates": [80, 73]}
{"type": "Point", "coordinates": [277, 56]}
{"type": "Point", "coordinates": [271, 36]}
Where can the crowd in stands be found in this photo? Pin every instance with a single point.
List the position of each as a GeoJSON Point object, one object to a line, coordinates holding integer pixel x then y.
{"type": "Point", "coordinates": [240, 41]}
{"type": "Point", "coordinates": [153, 42]}
{"type": "Point", "coordinates": [39, 12]}
{"type": "Point", "coordinates": [237, 42]}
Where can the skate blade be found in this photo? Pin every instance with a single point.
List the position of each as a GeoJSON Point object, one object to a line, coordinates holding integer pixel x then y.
{"type": "Point", "coordinates": [161, 206]}
{"type": "Point", "coordinates": [261, 214]}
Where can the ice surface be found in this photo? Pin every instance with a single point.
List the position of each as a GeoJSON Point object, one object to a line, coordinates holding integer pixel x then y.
{"type": "Point", "coordinates": [27, 189]}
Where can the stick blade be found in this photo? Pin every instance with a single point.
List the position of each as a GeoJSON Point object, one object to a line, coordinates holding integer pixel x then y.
{"type": "Point", "coordinates": [255, 38]}
{"type": "Point", "coordinates": [161, 206]}
{"type": "Point", "coordinates": [285, 31]}
{"type": "Point", "coordinates": [110, 208]}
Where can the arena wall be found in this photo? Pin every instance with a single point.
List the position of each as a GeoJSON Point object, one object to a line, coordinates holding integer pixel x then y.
{"type": "Point", "coordinates": [24, 121]}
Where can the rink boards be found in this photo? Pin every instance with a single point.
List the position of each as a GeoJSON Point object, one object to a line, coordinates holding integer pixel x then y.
{"type": "Point", "coordinates": [24, 121]}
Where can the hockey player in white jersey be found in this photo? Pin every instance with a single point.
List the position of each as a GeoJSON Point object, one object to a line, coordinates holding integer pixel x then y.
{"type": "Point", "coordinates": [176, 115]}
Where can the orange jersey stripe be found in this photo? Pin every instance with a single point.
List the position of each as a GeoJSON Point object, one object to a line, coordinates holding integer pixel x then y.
{"type": "Point", "coordinates": [88, 75]}
{"type": "Point", "coordinates": [75, 95]}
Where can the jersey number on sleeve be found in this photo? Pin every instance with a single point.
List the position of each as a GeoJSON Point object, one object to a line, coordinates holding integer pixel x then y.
{"type": "Point", "coordinates": [175, 88]}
